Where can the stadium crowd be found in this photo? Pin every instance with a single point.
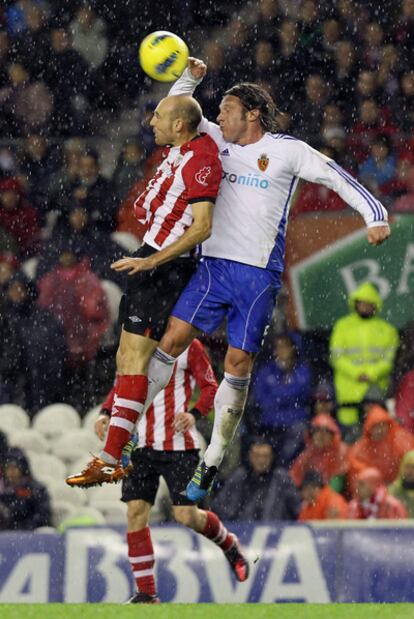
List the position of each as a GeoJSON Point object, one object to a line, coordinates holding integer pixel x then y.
{"type": "Point", "coordinates": [318, 440]}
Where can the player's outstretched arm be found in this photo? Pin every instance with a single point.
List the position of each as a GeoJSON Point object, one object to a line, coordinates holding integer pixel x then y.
{"type": "Point", "coordinates": [310, 165]}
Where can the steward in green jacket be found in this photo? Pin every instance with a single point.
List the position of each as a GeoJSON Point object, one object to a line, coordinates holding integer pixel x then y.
{"type": "Point", "coordinates": [362, 350]}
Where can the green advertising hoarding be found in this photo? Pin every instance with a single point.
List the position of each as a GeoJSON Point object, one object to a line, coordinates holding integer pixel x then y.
{"type": "Point", "coordinates": [321, 283]}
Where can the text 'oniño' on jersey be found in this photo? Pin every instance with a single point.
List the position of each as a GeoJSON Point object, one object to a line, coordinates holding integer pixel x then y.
{"type": "Point", "coordinates": [188, 174]}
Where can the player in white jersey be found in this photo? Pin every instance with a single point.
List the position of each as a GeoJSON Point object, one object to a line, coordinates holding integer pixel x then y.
{"type": "Point", "coordinates": [239, 275]}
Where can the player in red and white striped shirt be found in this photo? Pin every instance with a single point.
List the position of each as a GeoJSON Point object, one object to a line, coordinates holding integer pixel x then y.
{"type": "Point", "coordinates": [168, 446]}
{"type": "Point", "coordinates": [178, 203]}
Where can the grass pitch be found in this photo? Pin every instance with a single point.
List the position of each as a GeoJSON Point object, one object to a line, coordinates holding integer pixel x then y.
{"type": "Point", "coordinates": [208, 611]}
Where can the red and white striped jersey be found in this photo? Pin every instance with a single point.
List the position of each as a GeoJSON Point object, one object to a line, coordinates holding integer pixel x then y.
{"type": "Point", "coordinates": [189, 173]}
{"type": "Point", "coordinates": [156, 428]}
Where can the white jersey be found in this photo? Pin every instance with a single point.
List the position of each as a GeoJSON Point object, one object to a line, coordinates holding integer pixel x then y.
{"type": "Point", "coordinates": [258, 184]}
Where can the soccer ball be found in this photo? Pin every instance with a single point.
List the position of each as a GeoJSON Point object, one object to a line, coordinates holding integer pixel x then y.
{"type": "Point", "coordinates": [163, 56]}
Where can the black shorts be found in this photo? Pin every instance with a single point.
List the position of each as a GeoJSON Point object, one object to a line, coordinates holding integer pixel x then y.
{"type": "Point", "coordinates": [177, 468]}
{"type": "Point", "coordinates": [151, 295]}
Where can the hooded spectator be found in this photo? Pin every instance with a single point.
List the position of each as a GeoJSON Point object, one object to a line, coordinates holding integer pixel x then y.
{"type": "Point", "coordinates": [403, 486]}
{"type": "Point", "coordinates": [33, 351]}
{"type": "Point", "coordinates": [258, 491]}
{"type": "Point", "coordinates": [324, 452]}
{"type": "Point", "coordinates": [362, 349]}
{"type": "Point", "coordinates": [25, 500]}
{"type": "Point", "coordinates": [280, 395]}
{"type": "Point", "coordinates": [372, 500]}
{"type": "Point", "coordinates": [320, 502]}
{"type": "Point", "coordinates": [74, 295]}
{"type": "Point", "coordinates": [373, 397]}
{"type": "Point", "coordinates": [17, 216]}
{"type": "Point", "coordinates": [382, 445]}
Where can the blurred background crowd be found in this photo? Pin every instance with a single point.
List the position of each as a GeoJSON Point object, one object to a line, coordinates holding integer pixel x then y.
{"type": "Point", "coordinates": [75, 150]}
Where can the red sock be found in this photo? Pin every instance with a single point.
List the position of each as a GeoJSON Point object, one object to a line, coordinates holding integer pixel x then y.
{"type": "Point", "coordinates": [130, 395]}
{"type": "Point", "coordinates": [141, 558]}
{"type": "Point", "coordinates": [217, 532]}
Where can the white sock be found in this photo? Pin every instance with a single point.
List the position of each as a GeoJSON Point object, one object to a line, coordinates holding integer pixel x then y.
{"type": "Point", "coordinates": [160, 369]}
{"type": "Point", "coordinates": [228, 410]}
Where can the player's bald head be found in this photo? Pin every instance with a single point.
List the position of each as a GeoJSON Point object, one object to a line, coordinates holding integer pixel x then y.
{"type": "Point", "coordinates": [184, 108]}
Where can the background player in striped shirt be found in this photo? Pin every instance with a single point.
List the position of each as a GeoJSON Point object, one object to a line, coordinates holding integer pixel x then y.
{"type": "Point", "coordinates": [239, 275]}
{"type": "Point", "coordinates": [168, 445]}
{"type": "Point", "coordinates": [178, 202]}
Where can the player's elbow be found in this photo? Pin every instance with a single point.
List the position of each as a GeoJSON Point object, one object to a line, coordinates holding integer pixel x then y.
{"type": "Point", "coordinates": [204, 230]}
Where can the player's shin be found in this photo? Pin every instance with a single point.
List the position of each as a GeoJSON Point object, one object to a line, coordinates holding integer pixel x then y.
{"type": "Point", "coordinates": [130, 395]}
{"type": "Point", "coordinates": [160, 370]}
{"type": "Point", "coordinates": [228, 410]}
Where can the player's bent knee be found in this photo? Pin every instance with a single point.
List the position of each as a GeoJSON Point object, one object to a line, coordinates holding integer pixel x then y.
{"type": "Point", "coordinates": [238, 362]}
{"type": "Point", "coordinates": [134, 353]}
{"type": "Point", "coordinates": [177, 337]}
{"type": "Point", "coordinates": [137, 515]}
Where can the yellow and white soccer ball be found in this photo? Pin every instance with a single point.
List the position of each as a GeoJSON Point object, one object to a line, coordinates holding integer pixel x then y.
{"type": "Point", "coordinates": [163, 56]}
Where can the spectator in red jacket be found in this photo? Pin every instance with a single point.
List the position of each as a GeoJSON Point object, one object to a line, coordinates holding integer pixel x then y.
{"type": "Point", "coordinates": [382, 445]}
{"type": "Point", "coordinates": [17, 216]}
{"type": "Point", "coordinates": [404, 401]}
{"type": "Point", "coordinates": [324, 452]}
{"type": "Point", "coordinates": [320, 502]}
{"type": "Point", "coordinates": [74, 295]}
{"type": "Point", "coordinates": [372, 500]}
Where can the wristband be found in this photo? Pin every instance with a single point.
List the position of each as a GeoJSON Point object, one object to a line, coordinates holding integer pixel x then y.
{"type": "Point", "coordinates": [105, 411]}
{"type": "Point", "coordinates": [196, 413]}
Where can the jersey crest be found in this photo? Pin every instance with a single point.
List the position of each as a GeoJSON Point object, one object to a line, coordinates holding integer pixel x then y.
{"type": "Point", "coordinates": [263, 162]}
{"type": "Point", "coordinates": [201, 176]}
